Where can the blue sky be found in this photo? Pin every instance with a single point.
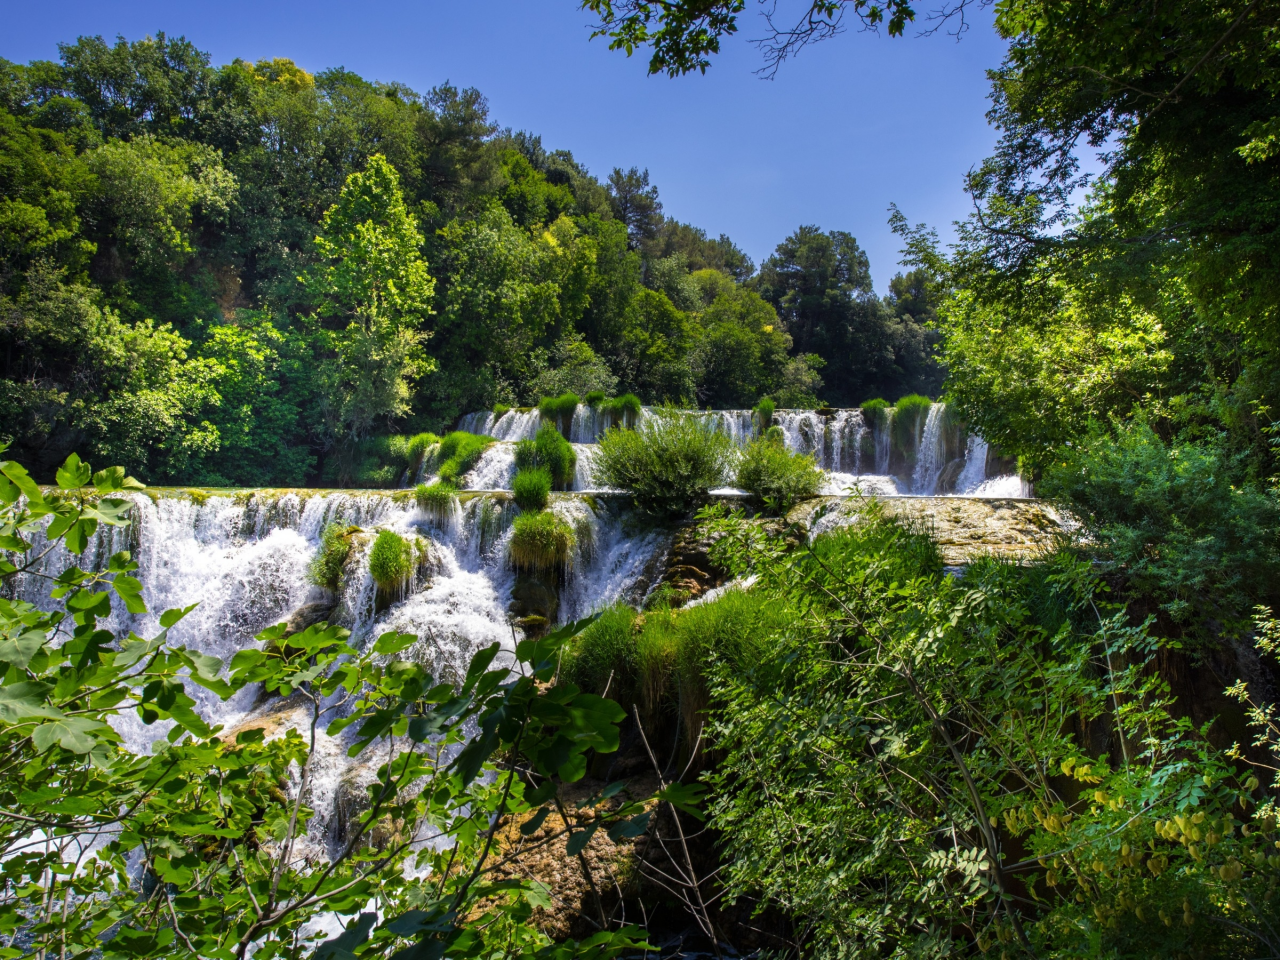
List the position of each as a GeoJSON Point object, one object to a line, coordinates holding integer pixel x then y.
{"type": "Point", "coordinates": [850, 126]}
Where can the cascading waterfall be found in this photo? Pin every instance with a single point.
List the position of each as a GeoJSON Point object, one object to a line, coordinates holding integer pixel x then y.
{"type": "Point", "coordinates": [975, 465]}
{"type": "Point", "coordinates": [804, 431]}
{"type": "Point", "coordinates": [930, 453]}
{"type": "Point", "coordinates": [847, 428]}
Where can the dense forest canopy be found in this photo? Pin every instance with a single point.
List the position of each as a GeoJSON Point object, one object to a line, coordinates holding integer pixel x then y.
{"type": "Point", "coordinates": [186, 285]}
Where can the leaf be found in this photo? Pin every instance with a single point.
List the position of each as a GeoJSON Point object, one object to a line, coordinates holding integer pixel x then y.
{"type": "Point", "coordinates": [393, 642]}
{"type": "Point", "coordinates": [172, 616]}
{"type": "Point", "coordinates": [109, 480]}
{"type": "Point", "coordinates": [578, 842]}
{"type": "Point", "coordinates": [22, 480]}
{"type": "Point", "coordinates": [684, 797]}
{"type": "Point", "coordinates": [343, 946]}
{"type": "Point", "coordinates": [73, 474]}
{"type": "Point", "coordinates": [130, 591]}
{"type": "Point", "coordinates": [72, 733]}
{"type": "Point", "coordinates": [18, 650]}
{"type": "Point", "coordinates": [532, 825]}
{"type": "Point", "coordinates": [25, 701]}
{"type": "Point", "coordinates": [630, 829]}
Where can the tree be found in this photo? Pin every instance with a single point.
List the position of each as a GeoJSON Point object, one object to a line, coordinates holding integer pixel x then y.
{"type": "Point", "coordinates": [374, 293]}
{"type": "Point", "coordinates": [636, 204]}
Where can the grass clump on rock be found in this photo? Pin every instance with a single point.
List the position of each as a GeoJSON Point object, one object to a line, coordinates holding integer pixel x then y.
{"type": "Point", "coordinates": [436, 500]}
{"type": "Point", "coordinates": [551, 451]}
{"type": "Point", "coordinates": [540, 542]}
{"type": "Point", "coordinates": [417, 449]}
{"type": "Point", "coordinates": [764, 415]}
{"type": "Point", "coordinates": [458, 453]}
{"type": "Point", "coordinates": [532, 488]}
{"type": "Point", "coordinates": [559, 410]}
{"type": "Point", "coordinates": [325, 569]}
{"type": "Point", "coordinates": [500, 410]}
{"type": "Point", "coordinates": [594, 398]}
{"type": "Point", "coordinates": [624, 410]}
{"type": "Point", "coordinates": [777, 478]}
{"type": "Point", "coordinates": [392, 561]}
{"type": "Point", "coordinates": [909, 414]}
{"type": "Point", "coordinates": [668, 464]}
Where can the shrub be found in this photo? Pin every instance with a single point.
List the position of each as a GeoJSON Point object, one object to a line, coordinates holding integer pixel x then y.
{"type": "Point", "coordinates": [419, 446]}
{"type": "Point", "coordinates": [391, 561]}
{"type": "Point", "coordinates": [776, 477]}
{"type": "Point", "coordinates": [325, 569]}
{"type": "Point", "coordinates": [775, 435]}
{"type": "Point", "coordinates": [668, 464]}
{"type": "Point", "coordinates": [540, 541]}
{"type": "Point", "coordinates": [500, 410]}
{"type": "Point", "coordinates": [459, 452]}
{"type": "Point", "coordinates": [764, 414]}
{"type": "Point", "coordinates": [624, 410]}
{"type": "Point", "coordinates": [531, 488]}
{"type": "Point", "coordinates": [550, 450]}
{"type": "Point", "coordinates": [1179, 519]}
{"type": "Point", "coordinates": [594, 398]}
{"type": "Point", "coordinates": [559, 410]}
{"type": "Point", "coordinates": [908, 420]}
{"type": "Point", "coordinates": [436, 500]}
{"type": "Point", "coordinates": [604, 655]}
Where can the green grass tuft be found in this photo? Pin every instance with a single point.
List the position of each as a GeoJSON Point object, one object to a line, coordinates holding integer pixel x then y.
{"type": "Point", "coordinates": [775, 435]}
{"type": "Point", "coordinates": [909, 414]}
{"type": "Point", "coordinates": [391, 561]}
{"type": "Point", "coordinates": [458, 453]}
{"type": "Point", "coordinates": [419, 447]}
{"type": "Point", "coordinates": [559, 410]}
{"type": "Point", "coordinates": [625, 410]}
{"type": "Point", "coordinates": [436, 500]}
{"type": "Point", "coordinates": [325, 569]}
{"type": "Point", "coordinates": [532, 488]}
{"type": "Point", "coordinates": [604, 655]}
{"type": "Point", "coordinates": [764, 414]}
{"type": "Point", "coordinates": [541, 542]}
{"type": "Point", "coordinates": [500, 410]}
{"type": "Point", "coordinates": [594, 398]}
{"type": "Point", "coordinates": [668, 464]}
{"type": "Point", "coordinates": [549, 449]}
{"type": "Point", "coordinates": [776, 477]}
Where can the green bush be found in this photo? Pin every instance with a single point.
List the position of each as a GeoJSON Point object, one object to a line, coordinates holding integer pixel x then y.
{"type": "Point", "coordinates": [532, 488]}
{"type": "Point", "coordinates": [325, 569]}
{"type": "Point", "coordinates": [500, 410]}
{"type": "Point", "coordinates": [559, 410]}
{"type": "Point", "coordinates": [436, 500]}
{"type": "Point", "coordinates": [909, 414]}
{"type": "Point", "coordinates": [668, 463]}
{"type": "Point", "coordinates": [540, 542]}
{"type": "Point", "coordinates": [594, 398]}
{"type": "Point", "coordinates": [391, 561]}
{"type": "Point", "coordinates": [458, 453]}
{"type": "Point", "coordinates": [1180, 520]}
{"type": "Point", "coordinates": [604, 655]}
{"type": "Point", "coordinates": [776, 477]}
{"type": "Point", "coordinates": [419, 446]}
{"type": "Point", "coordinates": [625, 410]}
{"type": "Point", "coordinates": [764, 414]}
{"type": "Point", "coordinates": [550, 450]}
{"type": "Point", "coordinates": [775, 436]}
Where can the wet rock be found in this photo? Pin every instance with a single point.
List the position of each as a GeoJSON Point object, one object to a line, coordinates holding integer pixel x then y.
{"type": "Point", "coordinates": [688, 572]}
{"type": "Point", "coordinates": [535, 600]}
{"type": "Point", "coordinates": [309, 614]}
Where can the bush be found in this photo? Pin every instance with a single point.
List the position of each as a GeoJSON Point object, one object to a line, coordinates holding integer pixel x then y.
{"type": "Point", "coordinates": [559, 410]}
{"type": "Point", "coordinates": [594, 398]}
{"type": "Point", "coordinates": [1180, 520]}
{"type": "Point", "coordinates": [532, 488]}
{"type": "Point", "coordinates": [550, 450]}
{"type": "Point", "coordinates": [500, 410]}
{"type": "Point", "coordinates": [391, 561]}
{"type": "Point", "coordinates": [418, 448]}
{"type": "Point", "coordinates": [764, 414]}
{"type": "Point", "coordinates": [325, 569]}
{"type": "Point", "coordinates": [604, 655]}
{"type": "Point", "coordinates": [458, 453]}
{"type": "Point", "coordinates": [909, 414]}
{"type": "Point", "coordinates": [436, 500]}
{"type": "Point", "coordinates": [668, 463]}
{"type": "Point", "coordinates": [776, 477]}
{"type": "Point", "coordinates": [624, 410]}
{"type": "Point", "coordinates": [775, 436]}
{"type": "Point", "coordinates": [540, 542]}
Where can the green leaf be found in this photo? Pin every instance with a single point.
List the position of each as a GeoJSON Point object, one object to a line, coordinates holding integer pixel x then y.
{"type": "Point", "coordinates": [630, 829]}
{"type": "Point", "coordinates": [685, 797]}
{"type": "Point", "coordinates": [172, 616]}
{"type": "Point", "coordinates": [72, 733]}
{"type": "Point", "coordinates": [130, 591]}
{"type": "Point", "coordinates": [109, 480]}
{"type": "Point", "coordinates": [18, 650]}
{"type": "Point", "coordinates": [578, 842]}
{"type": "Point", "coordinates": [535, 822]}
{"type": "Point", "coordinates": [73, 474]}
{"type": "Point", "coordinates": [25, 701]}
{"type": "Point", "coordinates": [394, 642]}
{"type": "Point", "coordinates": [22, 480]}
{"type": "Point", "coordinates": [343, 946]}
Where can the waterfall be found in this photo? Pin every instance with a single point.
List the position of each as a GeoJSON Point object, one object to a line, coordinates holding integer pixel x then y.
{"type": "Point", "coordinates": [478, 422]}
{"type": "Point", "coordinates": [516, 425]}
{"type": "Point", "coordinates": [803, 431]}
{"type": "Point", "coordinates": [585, 427]}
{"type": "Point", "coordinates": [930, 453]}
{"type": "Point", "coordinates": [495, 469]}
{"type": "Point", "coordinates": [884, 443]}
{"type": "Point", "coordinates": [975, 465]}
{"type": "Point", "coordinates": [583, 478]}
{"type": "Point", "coordinates": [847, 429]}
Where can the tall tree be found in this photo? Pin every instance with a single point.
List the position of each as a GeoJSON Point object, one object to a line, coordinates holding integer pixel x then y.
{"type": "Point", "coordinates": [636, 204]}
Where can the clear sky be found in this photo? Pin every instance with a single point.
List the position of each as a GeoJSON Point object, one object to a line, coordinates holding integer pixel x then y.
{"type": "Point", "coordinates": [850, 126]}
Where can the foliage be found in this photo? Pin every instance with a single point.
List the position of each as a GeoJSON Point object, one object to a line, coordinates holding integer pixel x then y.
{"type": "Point", "coordinates": [326, 567]}
{"type": "Point", "coordinates": [531, 488]}
{"type": "Point", "coordinates": [763, 414]}
{"type": "Point", "coordinates": [203, 811]}
{"type": "Point", "coordinates": [603, 657]}
{"type": "Point", "coordinates": [1172, 518]}
{"type": "Point", "coordinates": [625, 410]}
{"type": "Point", "coordinates": [458, 453]}
{"type": "Point", "coordinates": [541, 542]}
{"type": "Point", "coordinates": [392, 561]}
{"type": "Point", "coordinates": [419, 447]}
{"type": "Point", "coordinates": [578, 370]}
{"type": "Point", "coordinates": [593, 398]}
{"type": "Point", "coordinates": [776, 477]}
{"type": "Point", "coordinates": [559, 410]}
{"type": "Point", "coordinates": [436, 500]}
{"type": "Point", "coordinates": [667, 464]}
{"type": "Point", "coordinates": [550, 451]}
{"type": "Point", "coordinates": [963, 810]}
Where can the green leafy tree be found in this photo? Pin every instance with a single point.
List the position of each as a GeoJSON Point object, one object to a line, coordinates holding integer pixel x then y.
{"type": "Point", "coordinates": [374, 294]}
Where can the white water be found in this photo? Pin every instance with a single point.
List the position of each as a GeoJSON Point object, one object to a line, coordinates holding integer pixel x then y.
{"type": "Point", "coordinates": [930, 454]}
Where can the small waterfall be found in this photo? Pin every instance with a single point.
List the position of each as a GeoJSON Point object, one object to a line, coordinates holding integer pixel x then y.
{"type": "Point", "coordinates": [515, 425]}
{"type": "Point", "coordinates": [884, 444]}
{"type": "Point", "coordinates": [583, 472]}
{"type": "Point", "coordinates": [930, 453]}
{"type": "Point", "coordinates": [975, 465]}
{"type": "Point", "coordinates": [739, 425]}
{"type": "Point", "coordinates": [478, 422]}
{"type": "Point", "coordinates": [585, 427]}
{"type": "Point", "coordinates": [847, 429]}
{"type": "Point", "coordinates": [803, 431]}
{"type": "Point", "coordinates": [495, 469]}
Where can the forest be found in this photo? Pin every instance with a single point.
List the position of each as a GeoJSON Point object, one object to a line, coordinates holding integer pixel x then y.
{"type": "Point", "coordinates": [413, 546]}
{"type": "Point", "coordinates": [172, 303]}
